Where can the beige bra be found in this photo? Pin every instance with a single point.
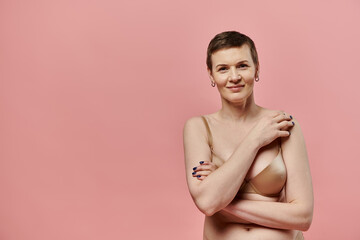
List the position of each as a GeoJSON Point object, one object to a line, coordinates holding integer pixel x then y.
{"type": "Point", "coordinates": [269, 182]}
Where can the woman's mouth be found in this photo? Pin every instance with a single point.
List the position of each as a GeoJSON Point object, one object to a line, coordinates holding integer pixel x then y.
{"type": "Point", "coordinates": [236, 88]}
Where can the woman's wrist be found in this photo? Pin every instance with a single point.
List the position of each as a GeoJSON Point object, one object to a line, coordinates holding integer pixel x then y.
{"type": "Point", "coordinates": [252, 143]}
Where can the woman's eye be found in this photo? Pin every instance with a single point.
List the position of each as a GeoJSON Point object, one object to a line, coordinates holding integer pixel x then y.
{"type": "Point", "coordinates": [242, 66]}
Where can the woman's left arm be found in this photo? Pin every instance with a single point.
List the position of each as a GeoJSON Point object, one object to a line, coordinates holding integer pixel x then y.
{"type": "Point", "coordinates": [297, 210]}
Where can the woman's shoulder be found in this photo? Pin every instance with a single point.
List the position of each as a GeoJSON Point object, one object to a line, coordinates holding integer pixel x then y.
{"type": "Point", "coordinates": [194, 128]}
{"type": "Point", "coordinates": [198, 123]}
{"type": "Point", "coordinates": [199, 119]}
{"type": "Point", "coordinates": [193, 123]}
{"type": "Point", "coordinates": [267, 111]}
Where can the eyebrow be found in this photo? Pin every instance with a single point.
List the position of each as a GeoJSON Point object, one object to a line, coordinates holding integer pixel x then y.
{"type": "Point", "coordinates": [222, 64]}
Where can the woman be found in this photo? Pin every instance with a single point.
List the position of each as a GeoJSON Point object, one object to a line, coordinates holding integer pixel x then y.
{"type": "Point", "coordinates": [247, 168]}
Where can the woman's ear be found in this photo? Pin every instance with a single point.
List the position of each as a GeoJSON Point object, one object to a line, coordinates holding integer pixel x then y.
{"type": "Point", "coordinates": [213, 84]}
{"type": "Point", "coordinates": [210, 75]}
{"type": "Point", "coordinates": [257, 71]}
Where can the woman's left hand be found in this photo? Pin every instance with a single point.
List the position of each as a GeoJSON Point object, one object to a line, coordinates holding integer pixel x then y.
{"type": "Point", "coordinates": [203, 170]}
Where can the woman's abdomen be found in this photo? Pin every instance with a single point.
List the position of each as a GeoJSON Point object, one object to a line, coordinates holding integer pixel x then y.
{"type": "Point", "coordinates": [224, 226]}
{"type": "Point", "coordinates": [213, 230]}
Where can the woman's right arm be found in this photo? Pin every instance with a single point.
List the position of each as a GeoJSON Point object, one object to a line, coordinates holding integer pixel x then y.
{"type": "Point", "coordinates": [218, 189]}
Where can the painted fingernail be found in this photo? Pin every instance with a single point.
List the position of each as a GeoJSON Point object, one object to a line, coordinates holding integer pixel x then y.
{"type": "Point", "coordinates": [293, 123]}
{"type": "Point", "coordinates": [289, 133]}
{"type": "Point", "coordinates": [193, 173]}
{"type": "Point", "coordinates": [201, 162]}
{"type": "Point", "coordinates": [198, 176]}
{"type": "Point", "coordinates": [194, 168]}
{"type": "Point", "coordinates": [290, 117]}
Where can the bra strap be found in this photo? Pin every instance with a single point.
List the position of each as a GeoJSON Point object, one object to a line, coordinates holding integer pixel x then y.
{"type": "Point", "coordinates": [210, 140]}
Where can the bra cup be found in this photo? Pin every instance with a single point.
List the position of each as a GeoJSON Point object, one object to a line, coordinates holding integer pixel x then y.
{"type": "Point", "coordinates": [272, 179]}
{"type": "Point", "coordinates": [269, 182]}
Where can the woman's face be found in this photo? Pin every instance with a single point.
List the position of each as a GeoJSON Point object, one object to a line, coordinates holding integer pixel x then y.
{"type": "Point", "coordinates": [233, 71]}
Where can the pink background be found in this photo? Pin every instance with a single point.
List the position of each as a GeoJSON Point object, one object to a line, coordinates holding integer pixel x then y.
{"type": "Point", "coordinates": [94, 95]}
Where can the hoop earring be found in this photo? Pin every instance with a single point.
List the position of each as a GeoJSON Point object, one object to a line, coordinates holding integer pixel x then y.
{"type": "Point", "coordinates": [213, 84]}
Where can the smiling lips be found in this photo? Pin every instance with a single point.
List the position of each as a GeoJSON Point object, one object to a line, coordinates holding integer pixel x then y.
{"type": "Point", "coordinates": [236, 87]}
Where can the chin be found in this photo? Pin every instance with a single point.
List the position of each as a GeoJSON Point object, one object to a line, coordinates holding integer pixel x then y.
{"type": "Point", "coordinates": [238, 98]}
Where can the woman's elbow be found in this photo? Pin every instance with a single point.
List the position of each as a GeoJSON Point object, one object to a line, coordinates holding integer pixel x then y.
{"type": "Point", "coordinates": [205, 206]}
{"type": "Point", "coordinates": [207, 202]}
{"type": "Point", "coordinates": [207, 212]}
{"type": "Point", "coordinates": [306, 220]}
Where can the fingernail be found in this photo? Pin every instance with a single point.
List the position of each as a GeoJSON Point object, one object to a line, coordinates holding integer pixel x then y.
{"type": "Point", "coordinates": [290, 117]}
{"type": "Point", "coordinates": [289, 133]}
{"type": "Point", "coordinates": [193, 173]}
{"type": "Point", "coordinates": [293, 123]}
{"type": "Point", "coordinates": [194, 168]}
{"type": "Point", "coordinates": [201, 162]}
{"type": "Point", "coordinates": [198, 176]}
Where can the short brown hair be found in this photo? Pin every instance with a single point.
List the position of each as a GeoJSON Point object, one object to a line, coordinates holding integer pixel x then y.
{"type": "Point", "coordinates": [230, 39]}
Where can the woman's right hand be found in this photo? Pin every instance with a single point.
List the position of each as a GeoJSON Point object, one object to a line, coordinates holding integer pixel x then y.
{"type": "Point", "coordinates": [268, 128]}
{"type": "Point", "coordinates": [204, 169]}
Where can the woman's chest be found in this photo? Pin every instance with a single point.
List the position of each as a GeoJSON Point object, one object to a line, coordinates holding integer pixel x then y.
{"type": "Point", "coordinates": [225, 143]}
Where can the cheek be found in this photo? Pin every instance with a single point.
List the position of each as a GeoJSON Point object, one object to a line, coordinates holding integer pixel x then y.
{"type": "Point", "coordinates": [220, 80]}
{"type": "Point", "coordinates": [249, 81]}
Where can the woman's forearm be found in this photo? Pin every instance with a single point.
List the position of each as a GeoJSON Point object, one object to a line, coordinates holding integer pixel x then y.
{"type": "Point", "coordinates": [220, 187]}
{"type": "Point", "coordinates": [272, 214]}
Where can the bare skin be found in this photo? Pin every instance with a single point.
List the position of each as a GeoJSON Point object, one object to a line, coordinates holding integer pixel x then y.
{"type": "Point", "coordinates": [246, 136]}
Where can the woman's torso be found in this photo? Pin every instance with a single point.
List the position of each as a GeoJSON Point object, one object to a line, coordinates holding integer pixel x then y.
{"type": "Point", "coordinates": [221, 225]}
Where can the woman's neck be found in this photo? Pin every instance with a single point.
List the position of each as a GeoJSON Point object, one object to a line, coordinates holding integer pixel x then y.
{"type": "Point", "coordinates": [238, 112]}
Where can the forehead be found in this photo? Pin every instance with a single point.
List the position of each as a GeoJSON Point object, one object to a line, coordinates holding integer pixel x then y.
{"type": "Point", "coordinates": [231, 55]}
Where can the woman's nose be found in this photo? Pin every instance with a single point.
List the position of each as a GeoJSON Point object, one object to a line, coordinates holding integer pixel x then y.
{"type": "Point", "coordinates": [234, 75]}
